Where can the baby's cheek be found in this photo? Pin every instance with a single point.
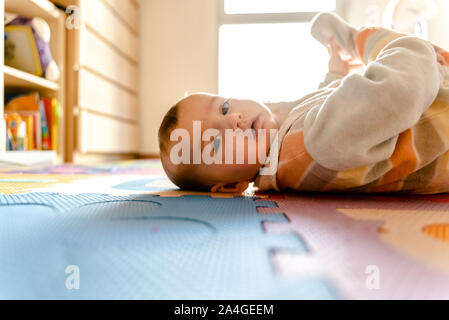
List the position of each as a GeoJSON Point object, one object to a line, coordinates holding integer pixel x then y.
{"type": "Point", "coordinates": [233, 150]}
{"type": "Point", "coordinates": [246, 150]}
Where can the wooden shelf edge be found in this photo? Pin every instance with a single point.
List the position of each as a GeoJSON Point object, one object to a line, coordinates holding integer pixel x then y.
{"type": "Point", "coordinates": [48, 7]}
{"type": "Point", "coordinates": [17, 78]}
{"type": "Point", "coordinates": [39, 8]}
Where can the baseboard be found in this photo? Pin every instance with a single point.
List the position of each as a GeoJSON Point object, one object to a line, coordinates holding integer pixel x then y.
{"type": "Point", "coordinates": [149, 156]}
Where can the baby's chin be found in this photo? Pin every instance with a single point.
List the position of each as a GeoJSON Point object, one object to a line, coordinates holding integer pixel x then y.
{"type": "Point", "coordinates": [246, 172]}
{"type": "Point", "coordinates": [269, 122]}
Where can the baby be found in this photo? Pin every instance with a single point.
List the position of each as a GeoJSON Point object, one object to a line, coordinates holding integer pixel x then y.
{"type": "Point", "coordinates": [384, 130]}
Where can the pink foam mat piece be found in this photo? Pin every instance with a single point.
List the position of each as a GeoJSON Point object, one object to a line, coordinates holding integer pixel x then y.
{"type": "Point", "coordinates": [348, 234]}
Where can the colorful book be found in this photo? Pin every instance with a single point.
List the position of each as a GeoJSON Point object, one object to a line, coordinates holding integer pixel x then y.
{"type": "Point", "coordinates": [40, 117]}
{"type": "Point", "coordinates": [56, 108]}
{"type": "Point", "coordinates": [29, 120]}
{"type": "Point", "coordinates": [9, 140]}
{"type": "Point", "coordinates": [49, 119]}
{"type": "Point", "coordinates": [46, 142]}
{"type": "Point", "coordinates": [37, 131]}
{"type": "Point", "coordinates": [16, 130]}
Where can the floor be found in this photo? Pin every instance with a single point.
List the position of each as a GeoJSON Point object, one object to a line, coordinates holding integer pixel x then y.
{"type": "Point", "coordinates": [122, 230]}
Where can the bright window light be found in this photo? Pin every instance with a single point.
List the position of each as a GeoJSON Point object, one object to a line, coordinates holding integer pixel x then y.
{"type": "Point", "coordinates": [270, 62]}
{"type": "Point", "coordinates": [277, 6]}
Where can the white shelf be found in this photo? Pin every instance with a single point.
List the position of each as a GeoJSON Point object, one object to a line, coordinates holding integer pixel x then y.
{"type": "Point", "coordinates": [17, 78]}
{"type": "Point", "coordinates": [33, 8]}
{"type": "Point", "coordinates": [28, 158]}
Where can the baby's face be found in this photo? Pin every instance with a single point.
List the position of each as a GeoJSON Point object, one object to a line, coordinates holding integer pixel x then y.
{"type": "Point", "coordinates": [227, 116]}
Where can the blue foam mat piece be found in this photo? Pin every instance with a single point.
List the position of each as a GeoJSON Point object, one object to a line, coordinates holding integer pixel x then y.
{"type": "Point", "coordinates": [143, 185]}
{"type": "Point", "coordinates": [144, 247]}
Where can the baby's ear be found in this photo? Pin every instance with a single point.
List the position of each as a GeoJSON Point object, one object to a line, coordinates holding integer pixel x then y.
{"type": "Point", "coordinates": [235, 187]}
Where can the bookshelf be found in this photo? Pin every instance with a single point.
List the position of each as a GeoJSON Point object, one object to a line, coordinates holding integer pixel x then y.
{"type": "Point", "coordinates": [15, 80]}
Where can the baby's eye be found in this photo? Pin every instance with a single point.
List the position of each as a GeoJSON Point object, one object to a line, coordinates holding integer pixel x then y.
{"type": "Point", "coordinates": [217, 142]}
{"type": "Point", "coordinates": [225, 107]}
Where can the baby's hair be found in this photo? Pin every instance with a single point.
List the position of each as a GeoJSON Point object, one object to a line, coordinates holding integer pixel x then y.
{"type": "Point", "coordinates": [169, 123]}
{"type": "Point", "coordinates": [180, 177]}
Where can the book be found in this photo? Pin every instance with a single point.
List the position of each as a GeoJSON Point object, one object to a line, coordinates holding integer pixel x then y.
{"type": "Point", "coordinates": [44, 128]}
{"type": "Point", "coordinates": [37, 131]}
{"type": "Point", "coordinates": [40, 117]}
{"type": "Point", "coordinates": [16, 129]}
{"type": "Point", "coordinates": [49, 119]}
{"type": "Point", "coordinates": [56, 108]}
{"type": "Point", "coordinates": [29, 120]}
{"type": "Point", "coordinates": [32, 123]}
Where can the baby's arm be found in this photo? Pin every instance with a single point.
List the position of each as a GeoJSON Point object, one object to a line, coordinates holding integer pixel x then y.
{"type": "Point", "coordinates": [360, 121]}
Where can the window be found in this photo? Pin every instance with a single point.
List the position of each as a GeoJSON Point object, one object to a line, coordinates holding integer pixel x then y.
{"type": "Point", "coordinates": [266, 51]}
{"type": "Point", "coordinates": [277, 6]}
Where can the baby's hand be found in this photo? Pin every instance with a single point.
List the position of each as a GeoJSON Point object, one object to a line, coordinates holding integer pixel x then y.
{"type": "Point", "coordinates": [339, 65]}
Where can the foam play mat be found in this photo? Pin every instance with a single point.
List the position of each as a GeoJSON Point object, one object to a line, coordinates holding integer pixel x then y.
{"type": "Point", "coordinates": [123, 231]}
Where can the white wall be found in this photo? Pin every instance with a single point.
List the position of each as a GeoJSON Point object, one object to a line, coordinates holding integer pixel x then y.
{"type": "Point", "coordinates": [358, 12]}
{"type": "Point", "coordinates": [355, 12]}
{"type": "Point", "coordinates": [439, 25]}
{"type": "Point", "coordinates": [178, 53]}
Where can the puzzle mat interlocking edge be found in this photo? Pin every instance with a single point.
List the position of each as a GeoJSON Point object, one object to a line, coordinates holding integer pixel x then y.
{"type": "Point", "coordinates": [133, 236]}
